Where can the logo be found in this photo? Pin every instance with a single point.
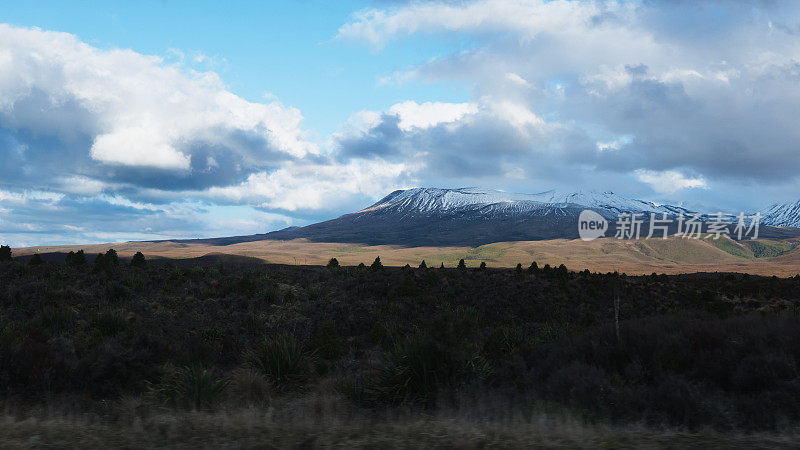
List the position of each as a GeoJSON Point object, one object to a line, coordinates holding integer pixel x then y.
{"type": "Point", "coordinates": [591, 225]}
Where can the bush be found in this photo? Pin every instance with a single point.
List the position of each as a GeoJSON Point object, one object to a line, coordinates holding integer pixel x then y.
{"type": "Point", "coordinates": [5, 253]}
{"type": "Point", "coordinates": [417, 368]}
{"type": "Point", "coordinates": [189, 387]}
{"type": "Point", "coordinates": [283, 359]}
{"type": "Point", "coordinates": [462, 265]}
{"type": "Point", "coordinates": [75, 258]}
{"type": "Point", "coordinates": [483, 265]}
{"type": "Point", "coordinates": [326, 341]}
{"type": "Point", "coordinates": [109, 323]}
{"type": "Point", "coordinates": [138, 260]}
{"type": "Point", "coordinates": [333, 263]}
{"type": "Point", "coordinates": [111, 259]}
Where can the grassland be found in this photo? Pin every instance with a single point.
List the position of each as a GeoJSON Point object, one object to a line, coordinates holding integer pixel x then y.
{"type": "Point", "coordinates": [671, 256]}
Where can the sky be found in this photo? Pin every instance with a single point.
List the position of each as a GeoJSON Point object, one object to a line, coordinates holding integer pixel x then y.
{"type": "Point", "coordinates": [179, 119]}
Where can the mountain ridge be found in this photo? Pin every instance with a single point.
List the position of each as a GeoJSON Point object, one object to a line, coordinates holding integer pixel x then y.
{"type": "Point", "coordinates": [475, 216]}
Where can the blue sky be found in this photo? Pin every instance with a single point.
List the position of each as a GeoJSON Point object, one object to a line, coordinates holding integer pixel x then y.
{"type": "Point", "coordinates": [151, 120]}
{"type": "Point", "coordinates": [284, 49]}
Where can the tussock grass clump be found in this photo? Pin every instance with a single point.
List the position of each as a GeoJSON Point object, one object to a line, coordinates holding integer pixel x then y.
{"type": "Point", "coordinates": [283, 359]}
{"type": "Point", "coordinates": [191, 387]}
{"type": "Point", "coordinates": [417, 368]}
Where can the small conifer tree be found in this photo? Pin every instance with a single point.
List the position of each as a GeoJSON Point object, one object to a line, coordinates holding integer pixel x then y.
{"type": "Point", "coordinates": [483, 265]}
{"type": "Point", "coordinates": [462, 265]}
{"type": "Point", "coordinates": [333, 263]}
{"type": "Point", "coordinates": [35, 260]}
{"type": "Point", "coordinates": [138, 260]}
{"type": "Point", "coordinates": [111, 259]}
{"type": "Point", "coordinates": [422, 265]}
{"type": "Point", "coordinates": [5, 253]}
{"type": "Point", "coordinates": [376, 265]}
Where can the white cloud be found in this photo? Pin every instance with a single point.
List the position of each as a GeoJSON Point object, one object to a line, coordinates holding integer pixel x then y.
{"type": "Point", "coordinates": [669, 181]}
{"type": "Point", "coordinates": [314, 187]}
{"type": "Point", "coordinates": [139, 111]}
{"type": "Point", "coordinates": [428, 114]}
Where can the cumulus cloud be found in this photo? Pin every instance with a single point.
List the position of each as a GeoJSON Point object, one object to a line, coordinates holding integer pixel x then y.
{"type": "Point", "coordinates": [69, 109]}
{"type": "Point", "coordinates": [708, 86]}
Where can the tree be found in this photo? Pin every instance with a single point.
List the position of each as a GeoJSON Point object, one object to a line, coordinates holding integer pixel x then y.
{"type": "Point", "coordinates": [111, 259]}
{"type": "Point", "coordinates": [99, 261]}
{"type": "Point", "coordinates": [422, 265]}
{"type": "Point", "coordinates": [462, 265]}
{"type": "Point", "coordinates": [138, 260]}
{"type": "Point", "coordinates": [75, 258]}
{"type": "Point", "coordinates": [534, 268]}
{"type": "Point", "coordinates": [5, 253]}
{"type": "Point", "coordinates": [361, 266]}
{"type": "Point", "coordinates": [35, 260]}
{"type": "Point", "coordinates": [376, 265]}
{"type": "Point", "coordinates": [519, 268]}
{"type": "Point", "coordinates": [442, 266]}
{"type": "Point", "coordinates": [333, 263]}
{"type": "Point", "coordinates": [483, 265]}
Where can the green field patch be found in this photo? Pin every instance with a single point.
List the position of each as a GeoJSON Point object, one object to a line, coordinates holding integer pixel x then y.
{"type": "Point", "coordinates": [769, 249]}
{"type": "Point", "coordinates": [732, 247]}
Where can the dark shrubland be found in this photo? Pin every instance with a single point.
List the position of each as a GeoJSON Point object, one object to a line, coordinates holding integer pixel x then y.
{"type": "Point", "coordinates": [694, 351]}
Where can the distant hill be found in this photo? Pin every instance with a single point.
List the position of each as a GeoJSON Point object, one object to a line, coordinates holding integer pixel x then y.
{"type": "Point", "coordinates": [472, 217]}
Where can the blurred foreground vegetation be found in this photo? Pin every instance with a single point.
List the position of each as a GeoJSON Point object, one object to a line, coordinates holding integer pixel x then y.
{"type": "Point", "coordinates": [373, 355]}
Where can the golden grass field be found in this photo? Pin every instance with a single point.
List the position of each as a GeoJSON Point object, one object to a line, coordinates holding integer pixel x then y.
{"type": "Point", "coordinates": [643, 256]}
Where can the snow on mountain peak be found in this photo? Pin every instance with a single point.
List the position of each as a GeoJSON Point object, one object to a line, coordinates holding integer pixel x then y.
{"type": "Point", "coordinates": [782, 215]}
{"type": "Point", "coordinates": [434, 200]}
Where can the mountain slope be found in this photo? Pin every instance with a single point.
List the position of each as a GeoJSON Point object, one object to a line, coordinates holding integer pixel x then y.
{"type": "Point", "coordinates": [469, 216]}
{"type": "Point", "coordinates": [473, 217]}
{"type": "Point", "coordinates": [782, 215]}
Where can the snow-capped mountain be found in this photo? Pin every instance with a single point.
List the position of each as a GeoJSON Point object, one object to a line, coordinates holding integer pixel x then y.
{"type": "Point", "coordinates": [782, 215]}
{"type": "Point", "coordinates": [490, 202]}
{"type": "Point", "coordinates": [472, 216]}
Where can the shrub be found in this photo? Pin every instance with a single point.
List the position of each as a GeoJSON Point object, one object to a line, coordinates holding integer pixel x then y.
{"type": "Point", "coordinates": [376, 265]}
{"type": "Point", "coordinates": [417, 368]}
{"type": "Point", "coordinates": [248, 386]}
{"type": "Point", "coordinates": [76, 258]}
{"type": "Point", "coordinates": [533, 268]}
{"type": "Point", "coordinates": [35, 260]}
{"type": "Point", "coordinates": [282, 359]}
{"type": "Point", "coordinates": [462, 265]}
{"type": "Point", "coordinates": [189, 387]}
{"type": "Point", "coordinates": [5, 253]}
{"type": "Point", "coordinates": [333, 263]}
{"type": "Point", "coordinates": [518, 268]}
{"type": "Point", "coordinates": [483, 265]}
{"type": "Point", "coordinates": [55, 318]}
{"type": "Point", "coordinates": [138, 260]}
{"type": "Point", "coordinates": [422, 265]}
{"type": "Point", "coordinates": [326, 341]}
{"type": "Point", "coordinates": [111, 259]}
{"type": "Point", "coordinates": [109, 323]}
